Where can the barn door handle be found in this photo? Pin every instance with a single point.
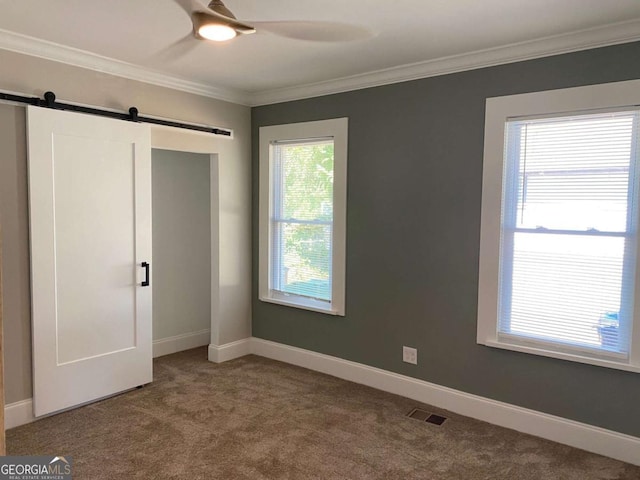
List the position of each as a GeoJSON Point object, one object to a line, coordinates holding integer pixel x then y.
{"type": "Point", "coordinates": [147, 279]}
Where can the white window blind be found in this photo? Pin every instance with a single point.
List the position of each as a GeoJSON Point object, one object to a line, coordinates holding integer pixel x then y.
{"type": "Point", "coordinates": [302, 218]}
{"type": "Point", "coordinates": [568, 234]}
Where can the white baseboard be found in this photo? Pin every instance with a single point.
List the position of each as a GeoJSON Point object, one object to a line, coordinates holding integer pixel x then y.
{"type": "Point", "coordinates": [167, 346]}
{"type": "Point", "coordinates": [586, 437]}
{"type": "Point", "coordinates": [229, 351]}
{"type": "Point", "coordinates": [18, 413]}
{"type": "Point", "coordinates": [580, 435]}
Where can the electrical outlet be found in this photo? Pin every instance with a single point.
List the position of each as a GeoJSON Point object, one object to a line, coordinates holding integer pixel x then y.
{"type": "Point", "coordinates": [410, 355]}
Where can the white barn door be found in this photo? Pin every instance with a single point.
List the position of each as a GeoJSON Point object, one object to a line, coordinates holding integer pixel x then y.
{"type": "Point", "coordinates": [90, 219]}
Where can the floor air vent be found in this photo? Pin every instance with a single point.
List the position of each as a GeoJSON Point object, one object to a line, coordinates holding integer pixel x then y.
{"type": "Point", "coordinates": [424, 416]}
{"type": "Point", "coordinates": [436, 419]}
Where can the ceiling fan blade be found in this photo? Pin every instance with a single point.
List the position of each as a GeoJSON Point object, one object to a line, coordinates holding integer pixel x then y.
{"type": "Point", "coordinates": [315, 31]}
{"type": "Point", "coordinates": [177, 49]}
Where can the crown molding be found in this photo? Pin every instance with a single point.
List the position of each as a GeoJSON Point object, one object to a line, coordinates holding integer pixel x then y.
{"type": "Point", "coordinates": [36, 47]}
{"type": "Point", "coordinates": [612, 34]}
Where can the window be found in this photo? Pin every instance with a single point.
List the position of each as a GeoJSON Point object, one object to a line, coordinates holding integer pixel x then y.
{"type": "Point", "coordinates": [303, 214]}
{"type": "Point", "coordinates": [559, 230]}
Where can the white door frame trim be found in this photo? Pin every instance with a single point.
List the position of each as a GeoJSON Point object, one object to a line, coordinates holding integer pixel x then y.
{"type": "Point", "coordinates": [168, 138]}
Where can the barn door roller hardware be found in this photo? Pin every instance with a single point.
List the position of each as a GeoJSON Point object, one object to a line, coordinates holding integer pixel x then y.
{"type": "Point", "coordinates": [49, 101]}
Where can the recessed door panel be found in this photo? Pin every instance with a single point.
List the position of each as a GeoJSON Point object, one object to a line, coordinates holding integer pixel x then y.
{"type": "Point", "coordinates": [94, 202]}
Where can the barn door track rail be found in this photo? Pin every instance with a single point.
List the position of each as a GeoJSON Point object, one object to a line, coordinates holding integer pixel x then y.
{"type": "Point", "coordinates": [49, 101]}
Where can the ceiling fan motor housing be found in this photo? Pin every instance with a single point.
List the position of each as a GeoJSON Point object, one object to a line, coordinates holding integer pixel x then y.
{"type": "Point", "coordinates": [220, 8]}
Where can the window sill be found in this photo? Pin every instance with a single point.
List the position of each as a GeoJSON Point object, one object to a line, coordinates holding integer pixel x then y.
{"type": "Point", "coordinates": [562, 355]}
{"type": "Point", "coordinates": [301, 302]}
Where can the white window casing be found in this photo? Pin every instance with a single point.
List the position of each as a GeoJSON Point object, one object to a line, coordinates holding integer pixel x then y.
{"type": "Point", "coordinates": [280, 147]}
{"type": "Point", "coordinates": [551, 239]}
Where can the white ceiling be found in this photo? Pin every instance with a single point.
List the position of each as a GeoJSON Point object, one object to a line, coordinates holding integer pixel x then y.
{"type": "Point", "coordinates": [264, 66]}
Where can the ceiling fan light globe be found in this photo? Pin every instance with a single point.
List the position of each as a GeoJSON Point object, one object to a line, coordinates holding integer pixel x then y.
{"type": "Point", "coordinates": [217, 32]}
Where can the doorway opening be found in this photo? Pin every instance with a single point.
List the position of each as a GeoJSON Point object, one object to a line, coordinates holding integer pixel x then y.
{"type": "Point", "coordinates": [181, 249]}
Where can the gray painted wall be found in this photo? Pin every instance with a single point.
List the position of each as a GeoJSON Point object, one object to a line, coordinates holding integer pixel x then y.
{"type": "Point", "coordinates": [181, 269]}
{"type": "Point", "coordinates": [413, 228]}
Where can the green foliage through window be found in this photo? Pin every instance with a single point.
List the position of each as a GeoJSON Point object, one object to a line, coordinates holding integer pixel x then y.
{"type": "Point", "coordinates": [303, 201]}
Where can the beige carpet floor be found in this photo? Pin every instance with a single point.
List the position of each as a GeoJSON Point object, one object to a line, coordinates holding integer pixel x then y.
{"type": "Point", "coordinates": [254, 418]}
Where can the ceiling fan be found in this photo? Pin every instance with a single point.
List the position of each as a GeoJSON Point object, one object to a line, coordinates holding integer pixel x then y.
{"type": "Point", "coordinates": [217, 23]}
